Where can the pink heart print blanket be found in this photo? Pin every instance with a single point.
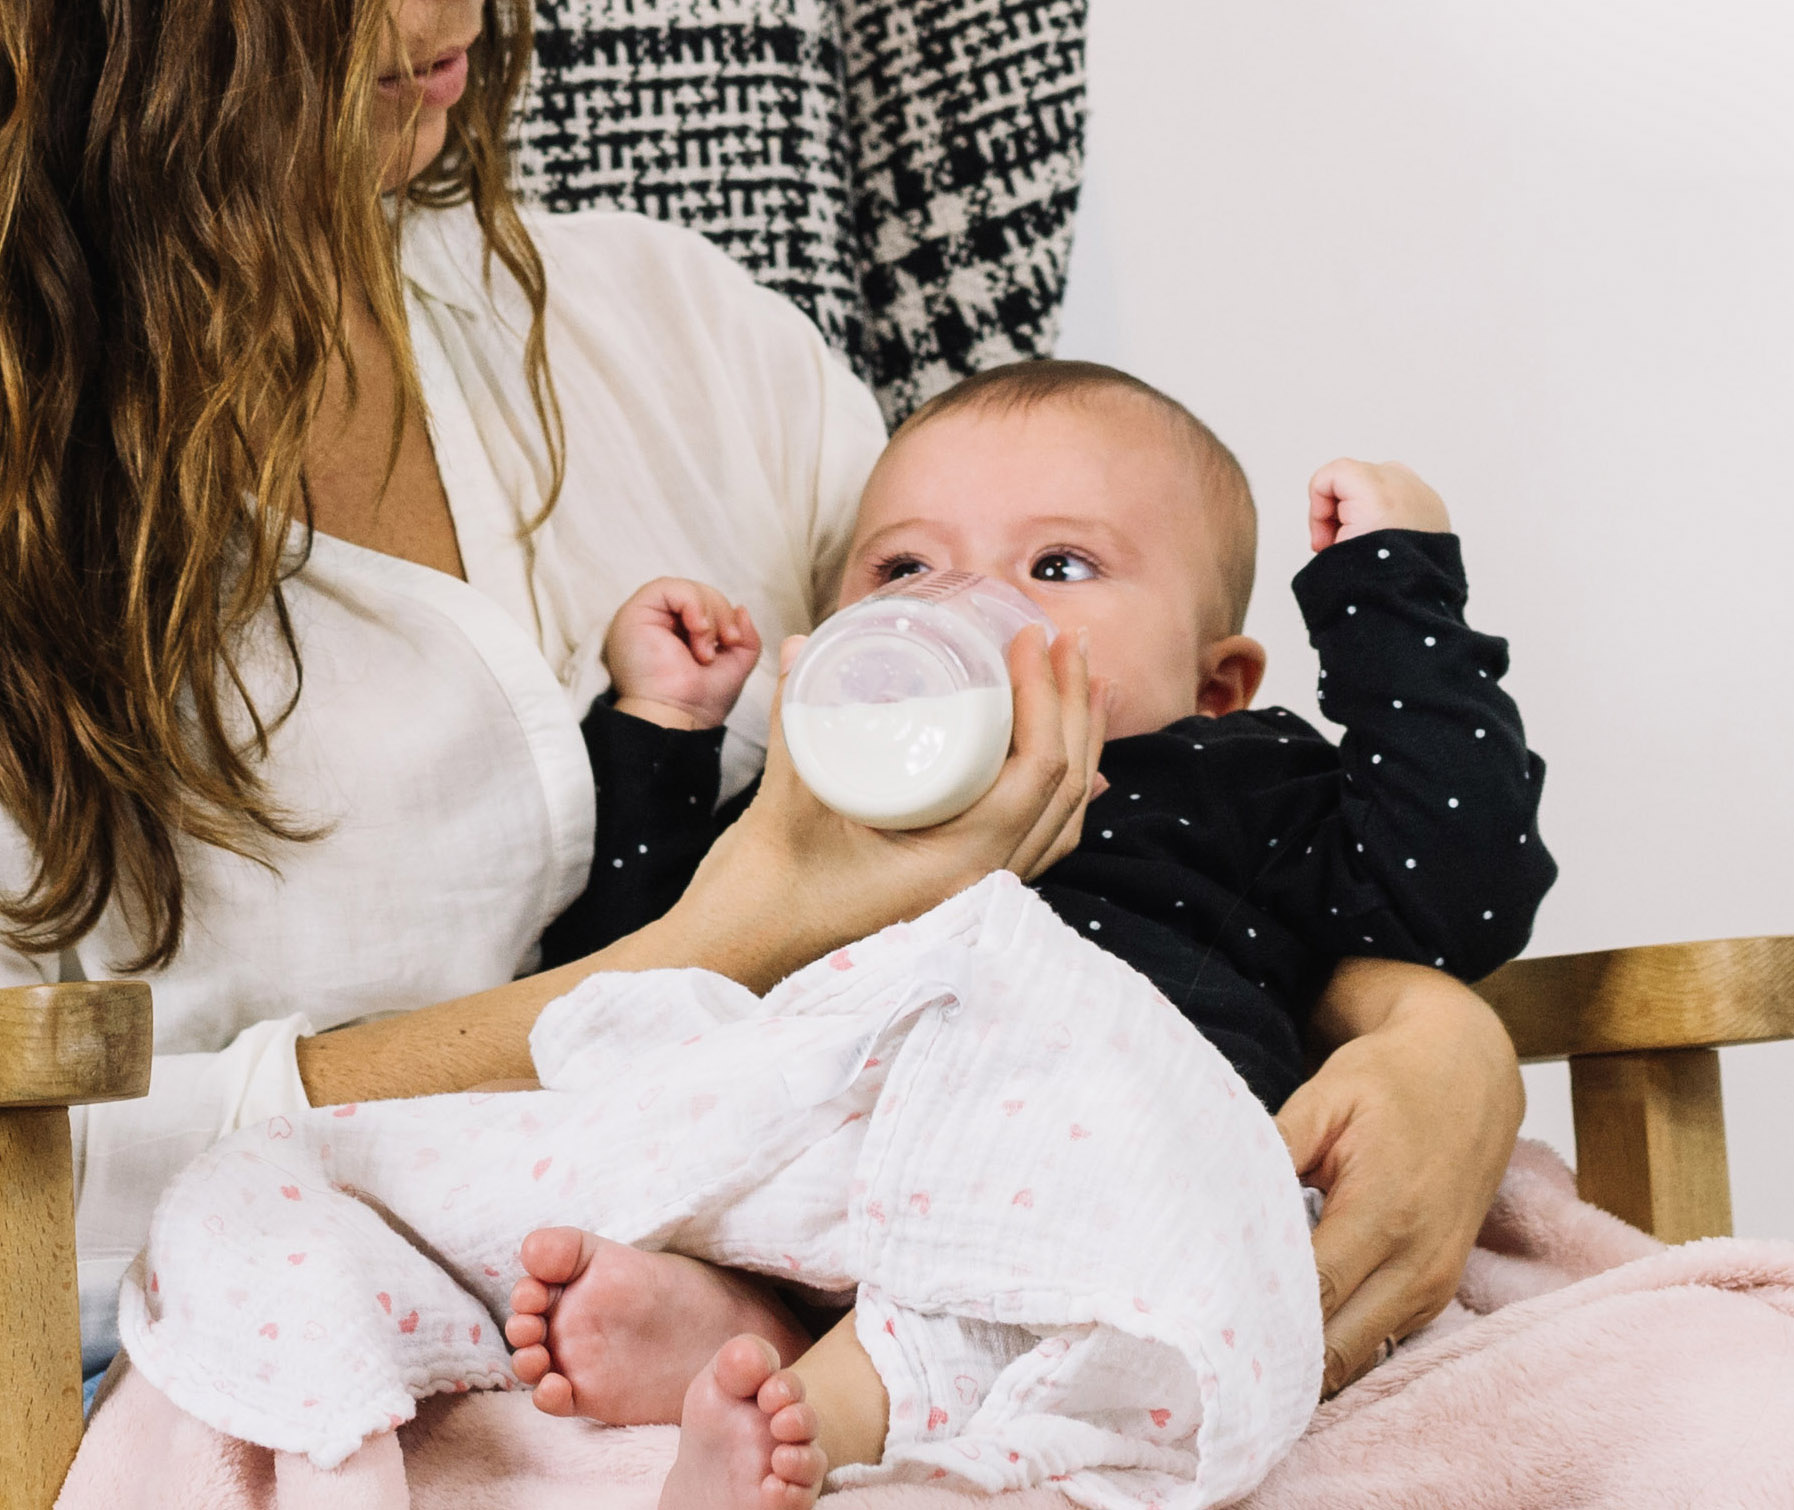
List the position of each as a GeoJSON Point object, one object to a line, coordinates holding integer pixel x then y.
{"type": "Point", "coordinates": [1077, 1247]}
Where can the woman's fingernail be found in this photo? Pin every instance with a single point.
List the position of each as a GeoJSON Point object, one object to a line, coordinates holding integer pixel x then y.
{"type": "Point", "coordinates": [788, 651]}
{"type": "Point", "coordinates": [1084, 642]}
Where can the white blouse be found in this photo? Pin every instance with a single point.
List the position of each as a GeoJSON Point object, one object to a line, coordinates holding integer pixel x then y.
{"type": "Point", "coordinates": [710, 434]}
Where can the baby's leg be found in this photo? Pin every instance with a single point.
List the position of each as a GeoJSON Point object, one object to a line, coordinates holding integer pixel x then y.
{"type": "Point", "coordinates": [605, 1331]}
{"type": "Point", "coordinates": [758, 1437]}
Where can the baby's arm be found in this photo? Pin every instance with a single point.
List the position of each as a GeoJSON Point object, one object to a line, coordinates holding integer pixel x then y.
{"type": "Point", "coordinates": [678, 655]}
{"type": "Point", "coordinates": [1428, 847]}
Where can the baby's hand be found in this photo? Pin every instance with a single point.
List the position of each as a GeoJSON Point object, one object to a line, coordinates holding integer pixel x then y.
{"type": "Point", "coordinates": [678, 654]}
{"type": "Point", "coordinates": [1347, 498]}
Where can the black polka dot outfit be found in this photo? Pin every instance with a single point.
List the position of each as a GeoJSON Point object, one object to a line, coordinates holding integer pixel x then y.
{"type": "Point", "coordinates": [1234, 861]}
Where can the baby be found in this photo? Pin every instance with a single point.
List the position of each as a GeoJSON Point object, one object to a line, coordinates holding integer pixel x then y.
{"type": "Point", "coordinates": [1234, 858]}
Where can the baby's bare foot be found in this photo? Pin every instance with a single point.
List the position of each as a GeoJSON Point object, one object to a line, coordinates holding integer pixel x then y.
{"type": "Point", "coordinates": [604, 1331]}
{"type": "Point", "coordinates": [748, 1439]}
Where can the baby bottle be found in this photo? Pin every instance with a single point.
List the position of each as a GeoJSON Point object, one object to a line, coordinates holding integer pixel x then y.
{"type": "Point", "coordinates": [898, 711]}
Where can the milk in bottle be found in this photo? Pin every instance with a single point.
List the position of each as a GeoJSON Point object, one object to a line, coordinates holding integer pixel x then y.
{"type": "Point", "coordinates": [898, 712]}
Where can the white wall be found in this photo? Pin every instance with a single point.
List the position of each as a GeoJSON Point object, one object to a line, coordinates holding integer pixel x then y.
{"type": "Point", "coordinates": [1543, 251]}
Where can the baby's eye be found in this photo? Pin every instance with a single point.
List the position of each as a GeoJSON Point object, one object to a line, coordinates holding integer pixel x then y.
{"type": "Point", "coordinates": [899, 566]}
{"type": "Point", "coordinates": [1062, 566]}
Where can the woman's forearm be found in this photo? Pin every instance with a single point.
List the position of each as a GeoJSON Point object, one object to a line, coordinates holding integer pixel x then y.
{"type": "Point", "coordinates": [740, 932]}
{"type": "Point", "coordinates": [456, 1045]}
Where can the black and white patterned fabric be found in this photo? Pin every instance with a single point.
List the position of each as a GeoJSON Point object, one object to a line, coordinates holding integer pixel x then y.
{"type": "Point", "coordinates": [905, 170]}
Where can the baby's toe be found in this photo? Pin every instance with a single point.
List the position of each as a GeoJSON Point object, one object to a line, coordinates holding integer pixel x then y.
{"type": "Point", "coordinates": [553, 1395]}
{"type": "Point", "coordinates": [802, 1464]}
{"type": "Point", "coordinates": [780, 1494]}
{"type": "Point", "coordinates": [530, 1364]}
{"type": "Point", "coordinates": [743, 1365]}
{"type": "Point", "coordinates": [793, 1423]}
{"type": "Point", "coordinates": [783, 1389]}
{"type": "Point", "coordinates": [529, 1296]}
{"type": "Point", "coordinates": [526, 1330]}
{"type": "Point", "coordinates": [553, 1254]}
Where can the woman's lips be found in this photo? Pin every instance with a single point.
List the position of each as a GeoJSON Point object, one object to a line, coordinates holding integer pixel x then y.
{"type": "Point", "coordinates": [438, 86]}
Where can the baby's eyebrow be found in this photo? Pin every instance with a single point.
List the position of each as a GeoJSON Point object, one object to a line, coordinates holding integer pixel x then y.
{"type": "Point", "coordinates": [1079, 524]}
{"type": "Point", "coordinates": [898, 527]}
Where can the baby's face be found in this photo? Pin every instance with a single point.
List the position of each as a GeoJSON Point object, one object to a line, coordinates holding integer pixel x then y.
{"type": "Point", "coordinates": [1091, 506]}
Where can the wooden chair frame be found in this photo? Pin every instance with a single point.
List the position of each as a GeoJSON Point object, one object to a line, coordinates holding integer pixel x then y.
{"type": "Point", "coordinates": [1640, 1028]}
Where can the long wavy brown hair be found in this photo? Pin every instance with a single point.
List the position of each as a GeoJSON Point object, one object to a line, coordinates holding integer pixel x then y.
{"type": "Point", "coordinates": [186, 188]}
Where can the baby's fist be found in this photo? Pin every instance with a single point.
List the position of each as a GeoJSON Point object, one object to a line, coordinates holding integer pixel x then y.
{"type": "Point", "coordinates": [678, 654]}
{"type": "Point", "coordinates": [1348, 498]}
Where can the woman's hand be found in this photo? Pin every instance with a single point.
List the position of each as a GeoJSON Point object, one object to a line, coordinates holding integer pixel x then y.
{"type": "Point", "coordinates": [792, 879]}
{"type": "Point", "coordinates": [1407, 1127]}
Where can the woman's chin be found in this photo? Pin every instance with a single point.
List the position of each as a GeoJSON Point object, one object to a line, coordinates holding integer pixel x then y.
{"type": "Point", "coordinates": [432, 135]}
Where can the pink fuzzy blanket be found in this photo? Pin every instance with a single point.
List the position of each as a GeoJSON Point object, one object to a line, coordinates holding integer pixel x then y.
{"type": "Point", "coordinates": [1583, 1364]}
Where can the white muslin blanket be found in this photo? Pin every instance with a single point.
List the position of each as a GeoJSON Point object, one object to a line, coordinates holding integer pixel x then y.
{"type": "Point", "coordinates": [1079, 1249]}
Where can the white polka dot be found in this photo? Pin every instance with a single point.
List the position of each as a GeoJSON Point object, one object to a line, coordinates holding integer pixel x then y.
{"type": "Point", "coordinates": [1397, 702]}
{"type": "Point", "coordinates": [616, 864]}
{"type": "Point", "coordinates": [1251, 933]}
{"type": "Point", "coordinates": [1487, 916]}
{"type": "Point", "coordinates": [1360, 849]}
{"type": "Point", "coordinates": [1481, 732]}
{"type": "Point", "coordinates": [692, 800]}
{"type": "Point", "coordinates": [1439, 964]}
{"type": "Point", "coordinates": [1431, 641]}
{"type": "Point", "coordinates": [1261, 985]}
{"type": "Point", "coordinates": [1376, 760]}
{"type": "Point", "coordinates": [1523, 838]}
{"type": "Point", "coordinates": [1095, 927]}
{"type": "Point", "coordinates": [1323, 673]}
{"type": "Point", "coordinates": [1177, 904]}
{"type": "Point", "coordinates": [1410, 864]}
{"type": "Point", "coordinates": [1482, 674]}
{"type": "Point", "coordinates": [1108, 833]}
{"type": "Point", "coordinates": [1368, 939]}
{"type": "Point", "coordinates": [1351, 608]}
{"type": "Point", "coordinates": [1283, 739]}
{"type": "Point", "coordinates": [1133, 796]}
{"type": "Point", "coordinates": [1451, 801]}
{"type": "Point", "coordinates": [1184, 821]}
{"type": "Point", "coordinates": [641, 849]}
{"type": "Point", "coordinates": [1273, 844]}
{"type": "Point", "coordinates": [1334, 911]}
{"type": "Point", "coordinates": [1195, 747]}
{"type": "Point", "coordinates": [1383, 555]}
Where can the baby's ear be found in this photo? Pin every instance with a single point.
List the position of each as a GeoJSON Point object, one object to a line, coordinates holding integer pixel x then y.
{"type": "Point", "coordinates": [1231, 672]}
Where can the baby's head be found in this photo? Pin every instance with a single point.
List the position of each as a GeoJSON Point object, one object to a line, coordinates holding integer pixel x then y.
{"type": "Point", "coordinates": [1109, 504]}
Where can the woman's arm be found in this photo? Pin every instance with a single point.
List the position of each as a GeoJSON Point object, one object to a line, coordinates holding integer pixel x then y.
{"type": "Point", "coordinates": [1407, 1126]}
{"type": "Point", "coordinates": [786, 884]}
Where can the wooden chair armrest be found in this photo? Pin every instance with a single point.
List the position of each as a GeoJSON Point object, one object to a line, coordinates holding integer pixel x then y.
{"type": "Point", "coordinates": [75, 1044]}
{"type": "Point", "coordinates": [60, 1046]}
{"type": "Point", "coordinates": [1660, 996]}
{"type": "Point", "coordinates": [1641, 1029]}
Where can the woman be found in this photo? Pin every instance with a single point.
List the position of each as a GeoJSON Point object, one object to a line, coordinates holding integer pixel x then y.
{"type": "Point", "coordinates": [309, 557]}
